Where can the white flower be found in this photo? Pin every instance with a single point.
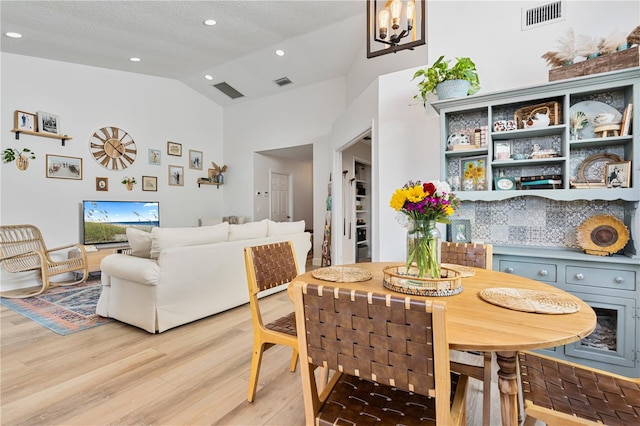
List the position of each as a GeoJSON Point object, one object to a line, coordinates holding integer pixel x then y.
{"type": "Point", "coordinates": [402, 219]}
{"type": "Point", "coordinates": [442, 188]}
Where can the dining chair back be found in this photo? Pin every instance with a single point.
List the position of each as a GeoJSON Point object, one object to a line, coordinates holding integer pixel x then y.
{"type": "Point", "coordinates": [390, 355]}
{"type": "Point", "coordinates": [478, 365]}
{"type": "Point", "coordinates": [22, 249]}
{"type": "Point", "coordinates": [560, 392]}
{"type": "Point", "coordinates": [269, 266]}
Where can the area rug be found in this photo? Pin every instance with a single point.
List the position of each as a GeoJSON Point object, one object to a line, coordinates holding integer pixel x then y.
{"type": "Point", "coordinates": [64, 310]}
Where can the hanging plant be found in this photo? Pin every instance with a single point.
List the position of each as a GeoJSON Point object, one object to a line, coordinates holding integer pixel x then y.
{"type": "Point", "coordinates": [129, 182]}
{"type": "Point", "coordinates": [21, 157]}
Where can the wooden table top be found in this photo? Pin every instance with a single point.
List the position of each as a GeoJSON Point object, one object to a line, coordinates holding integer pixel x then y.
{"type": "Point", "coordinates": [473, 324]}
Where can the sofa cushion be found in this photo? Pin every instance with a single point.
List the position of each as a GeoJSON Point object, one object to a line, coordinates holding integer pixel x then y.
{"type": "Point", "coordinates": [248, 231]}
{"type": "Point", "coordinates": [163, 238]}
{"type": "Point", "coordinates": [284, 228]}
{"type": "Point", "coordinates": [140, 242]}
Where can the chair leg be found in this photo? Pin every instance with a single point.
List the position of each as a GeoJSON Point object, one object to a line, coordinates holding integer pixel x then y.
{"type": "Point", "coordinates": [256, 360]}
{"type": "Point", "coordinates": [486, 388]}
{"type": "Point", "coordinates": [294, 360]}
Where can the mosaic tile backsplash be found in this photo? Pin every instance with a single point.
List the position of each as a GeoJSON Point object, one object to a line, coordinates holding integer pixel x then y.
{"type": "Point", "coordinates": [532, 221]}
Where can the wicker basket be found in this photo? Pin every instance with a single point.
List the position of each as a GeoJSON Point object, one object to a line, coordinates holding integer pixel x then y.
{"type": "Point", "coordinates": [397, 279]}
{"type": "Point", "coordinates": [552, 109]}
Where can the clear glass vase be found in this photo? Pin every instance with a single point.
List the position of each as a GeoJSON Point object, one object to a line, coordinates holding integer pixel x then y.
{"type": "Point", "coordinates": [423, 249]}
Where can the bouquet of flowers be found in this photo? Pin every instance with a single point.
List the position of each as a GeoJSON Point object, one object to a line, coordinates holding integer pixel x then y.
{"type": "Point", "coordinates": [424, 204]}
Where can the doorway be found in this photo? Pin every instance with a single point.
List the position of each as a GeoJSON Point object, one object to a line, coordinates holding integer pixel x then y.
{"type": "Point", "coordinates": [280, 197]}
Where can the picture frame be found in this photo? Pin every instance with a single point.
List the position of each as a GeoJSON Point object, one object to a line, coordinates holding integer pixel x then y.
{"type": "Point", "coordinates": [626, 121]}
{"type": "Point", "coordinates": [62, 167]}
{"type": "Point", "coordinates": [174, 148]}
{"type": "Point", "coordinates": [502, 150]}
{"type": "Point", "coordinates": [211, 174]}
{"type": "Point", "coordinates": [459, 231]}
{"type": "Point", "coordinates": [176, 175]}
{"type": "Point", "coordinates": [505, 183]}
{"type": "Point", "coordinates": [154, 157]}
{"type": "Point", "coordinates": [150, 183]}
{"type": "Point", "coordinates": [618, 175]}
{"type": "Point", "coordinates": [23, 120]}
{"type": "Point", "coordinates": [195, 159]}
{"type": "Point", "coordinates": [102, 184]}
{"type": "Point", "coordinates": [48, 123]}
{"type": "Point", "coordinates": [473, 173]}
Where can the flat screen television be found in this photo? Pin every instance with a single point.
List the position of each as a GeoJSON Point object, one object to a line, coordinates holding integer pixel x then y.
{"type": "Point", "coordinates": [105, 222]}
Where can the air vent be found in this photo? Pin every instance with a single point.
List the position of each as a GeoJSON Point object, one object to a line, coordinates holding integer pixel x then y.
{"type": "Point", "coordinates": [282, 81]}
{"type": "Point", "coordinates": [543, 15]}
{"type": "Point", "coordinates": [228, 90]}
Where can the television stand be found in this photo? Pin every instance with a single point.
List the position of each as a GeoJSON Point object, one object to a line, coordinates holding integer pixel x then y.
{"type": "Point", "coordinates": [96, 254]}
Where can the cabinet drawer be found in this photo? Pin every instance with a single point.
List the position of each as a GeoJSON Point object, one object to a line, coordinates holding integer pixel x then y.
{"type": "Point", "coordinates": [546, 272]}
{"type": "Point", "coordinates": [600, 277]}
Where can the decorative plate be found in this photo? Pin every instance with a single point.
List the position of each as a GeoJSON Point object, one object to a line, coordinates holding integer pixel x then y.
{"type": "Point", "coordinates": [342, 274]}
{"type": "Point", "coordinates": [593, 109]}
{"type": "Point", "coordinates": [538, 302]}
{"type": "Point", "coordinates": [602, 235]}
{"type": "Point", "coordinates": [594, 168]}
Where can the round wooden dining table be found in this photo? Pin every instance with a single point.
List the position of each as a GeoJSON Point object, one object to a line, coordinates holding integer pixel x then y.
{"type": "Point", "coordinates": [474, 324]}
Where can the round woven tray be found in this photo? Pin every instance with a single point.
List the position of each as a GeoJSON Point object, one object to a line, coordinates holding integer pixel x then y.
{"type": "Point", "coordinates": [464, 270]}
{"type": "Point", "coordinates": [341, 274]}
{"type": "Point", "coordinates": [529, 301]}
{"type": "Point", "coordinates": [397, 279]}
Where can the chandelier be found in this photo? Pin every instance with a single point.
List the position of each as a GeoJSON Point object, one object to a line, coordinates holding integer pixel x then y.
{"type": "Point", "coordinates": [394, 25]}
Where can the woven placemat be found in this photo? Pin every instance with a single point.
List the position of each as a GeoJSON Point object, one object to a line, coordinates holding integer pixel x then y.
{"type": "Point", "coordinates": [341, 274]}
{"type": "Point", "coordinates": [539, 302]}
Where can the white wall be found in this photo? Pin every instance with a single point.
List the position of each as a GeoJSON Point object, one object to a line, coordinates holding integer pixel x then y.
{"type": "Point", "coordinates": [301, 174]}
{"type": "Point", "coordinates": [152, 110]}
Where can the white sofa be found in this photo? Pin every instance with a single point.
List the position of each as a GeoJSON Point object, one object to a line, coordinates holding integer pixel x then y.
{"type": "Point", "coordinates": [178, 275]}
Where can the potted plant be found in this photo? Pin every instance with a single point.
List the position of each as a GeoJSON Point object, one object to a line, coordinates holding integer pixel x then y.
{"type": "Point", "coordinates": [439, 78]}
{"type": "Point", "coordinates": [22, 157]}
{"type": "Point", "coordinates": [129, 182]}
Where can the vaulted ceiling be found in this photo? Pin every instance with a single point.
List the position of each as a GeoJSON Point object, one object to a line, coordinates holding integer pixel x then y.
{"type": "Point", "coordinates": [320, 39]}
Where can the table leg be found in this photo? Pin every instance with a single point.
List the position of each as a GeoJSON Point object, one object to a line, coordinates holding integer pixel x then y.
{"type": "Point", "coordinates": [508, 386]}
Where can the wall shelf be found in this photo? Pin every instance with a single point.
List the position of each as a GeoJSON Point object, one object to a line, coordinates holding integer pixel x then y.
{"type": "Point", "coordinates": [63, 138]}
{"type": "Point", "coordinates": [202, 181]}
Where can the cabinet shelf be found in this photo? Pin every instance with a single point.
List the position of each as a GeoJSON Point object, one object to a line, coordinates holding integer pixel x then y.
{"type": "Point", "coordinates": [62, 138]}
{"type": "Point", "coordinates": [529, 133]}
{"type": "Point", "coordinates": [606, 194]}
{"type": "Point", "coordinates": [498, 164]}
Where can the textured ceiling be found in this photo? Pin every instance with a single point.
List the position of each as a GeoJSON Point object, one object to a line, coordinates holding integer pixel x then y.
{"type": "Point", "coordinates": [320, 39]}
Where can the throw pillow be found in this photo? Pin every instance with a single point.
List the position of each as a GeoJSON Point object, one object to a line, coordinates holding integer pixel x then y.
{"type": "Point", "coordinates": [163, 238]}
{"type": "Point", "coordinates": [284, 228]}
{"type": "Point", "coordinates": [248, 231]}
{"type": "Point", "coordinates": [140, 242]}
{"type": "Point", "coordinates": [209, 221]}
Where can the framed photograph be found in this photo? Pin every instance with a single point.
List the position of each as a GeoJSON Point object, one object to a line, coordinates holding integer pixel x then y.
{"type": "Point", "coordinates": [502, 150]}
{"type": "Point", "coordinates": [505, 183]}
{"type": "Point", "coordinates": [176, 176]}
{"type": "Point", "coordinates": [618, 175]}
{"type": "Point", "coordinates": [459, 231]}
{"type": "Point", "coordinates": [211, 174]}
{"type": "Point", "coordinates": [149, 183]}
{"type": "Point", "coordinates": [174, 148]}
{"type": "Point", "coordinates": [154, 157]}
{"type": "Point", "coordinates": [61, 167]}
{"type": "Point", "coordinates": [195, 159]}
{"type": "Point", "coordinates": [473, 172]}
{"type": "Point", "coordinates": [48, 123]}
{"type": "Point", "coordinates": [24, 121]}
{"type": "Point", "coordinates": [102, 184]}
{"type": "Point", "coordinates": [626, 121]}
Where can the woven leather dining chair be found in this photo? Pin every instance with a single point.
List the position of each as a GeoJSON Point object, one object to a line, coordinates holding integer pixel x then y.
{"type": "Point", "coordinates": [560, 392]}
{"type": "Point", "coordinates": [390, 355]}
{"type": "Point", "coordinates": [22, 249]}
{"type": "Point", "coordinates": [479, 366]}
{"type": "Point", "coordinates": [269, 266]}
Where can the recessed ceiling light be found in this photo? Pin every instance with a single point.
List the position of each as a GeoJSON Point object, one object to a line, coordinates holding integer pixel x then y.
{"type": "Point", "coordinates": [209, 22]}
{"type": "Point", "coordinates": [134, 59]}
{"type": "Point", "coordinates": [13, 35]}
{"type": "Point", "coordinates": [208, 77]}
{"type": "Point", "coordinates": [280, 52]}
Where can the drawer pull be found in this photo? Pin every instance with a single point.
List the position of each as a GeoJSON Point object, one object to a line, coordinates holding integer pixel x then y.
{"type": "Point", "coordinates": [509, 270]}
{"type": "Point", "coordinates": [543, 273]}
{"type": "Point", "coordinates": [579, 276]}
{"type": "Point", "coordinates": [619, 280]}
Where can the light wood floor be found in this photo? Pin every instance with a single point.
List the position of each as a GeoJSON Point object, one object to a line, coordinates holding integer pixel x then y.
{"type": "Point", "coordinates": [196, 374]}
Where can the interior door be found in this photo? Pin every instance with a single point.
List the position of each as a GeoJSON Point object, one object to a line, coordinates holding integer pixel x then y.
{"type": "Point", "coordinates": [280, 203]}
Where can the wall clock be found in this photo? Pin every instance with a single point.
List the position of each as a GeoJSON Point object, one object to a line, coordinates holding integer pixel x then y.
{"type": "Point", "coordinates": [113, 148]}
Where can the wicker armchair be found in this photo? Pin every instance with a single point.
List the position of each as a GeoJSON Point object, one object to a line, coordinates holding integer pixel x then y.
{"type": "Point", "coordinates": [563, 393]}
{"type": "Point", "coordinates": [480, 366]}
{"type": "Point", "coordinates": [389, 353]}
{"type": "Point", "coordinates": [269, 266]}
{"type": "Point", "coordinates": [22, 249]}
